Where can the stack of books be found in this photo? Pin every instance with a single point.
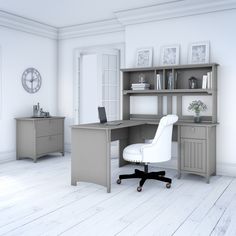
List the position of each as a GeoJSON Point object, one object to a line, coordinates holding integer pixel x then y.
{"type": "Point", "coordinates": [207, 81]}
{"type": "Point", "coordinates": [140, 86]}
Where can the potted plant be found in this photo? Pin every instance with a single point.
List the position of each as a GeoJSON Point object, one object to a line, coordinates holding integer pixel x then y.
{"type": "Point", "coordinates": [197, 107]}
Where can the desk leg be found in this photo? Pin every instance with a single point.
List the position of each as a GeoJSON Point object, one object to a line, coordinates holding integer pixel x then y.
{"type": "Point", "coordinates": [178, 175]}
{"type": "Point", "coordinates": [122, 144]}
{"type": "Point", "coordinates": [90, 154]}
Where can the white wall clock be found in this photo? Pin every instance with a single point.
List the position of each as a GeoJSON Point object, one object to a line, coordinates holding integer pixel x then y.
{"type": "Point", "coordinates": [31, 80]}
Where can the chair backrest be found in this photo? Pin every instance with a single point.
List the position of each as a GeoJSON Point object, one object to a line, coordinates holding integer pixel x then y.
{"type": "Point", "coordinates": [160, 148]}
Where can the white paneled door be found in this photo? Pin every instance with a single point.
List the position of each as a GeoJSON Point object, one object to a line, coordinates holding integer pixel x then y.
{"type": "Point", "coordinates": [110, 98]}
{"type": "Point", "coordinates": [96, 84]}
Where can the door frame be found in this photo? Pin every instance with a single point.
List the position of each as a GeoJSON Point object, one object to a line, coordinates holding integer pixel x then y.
{"type": "Point", "coordinates": [76, 78]}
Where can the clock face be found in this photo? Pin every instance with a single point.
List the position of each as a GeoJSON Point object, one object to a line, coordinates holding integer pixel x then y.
{"type": "Point", "coordinates": [31, 80]}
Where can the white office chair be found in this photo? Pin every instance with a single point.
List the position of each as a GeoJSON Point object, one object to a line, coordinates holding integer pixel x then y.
{"type": "Point", "coordinates": [157, 151]}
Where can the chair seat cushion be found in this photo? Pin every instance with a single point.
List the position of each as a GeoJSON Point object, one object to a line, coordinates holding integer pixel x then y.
{"type": "Point", "coordinates": [133, 153]}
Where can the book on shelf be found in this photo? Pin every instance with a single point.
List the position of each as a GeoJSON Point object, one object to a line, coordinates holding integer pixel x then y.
{"type": "Point", "coordinates": [158, 78]}
{"type": "Point", "coordinates": [209, 80]}
{"type": "Point", "coordinates": [204, 82]}
{"type": "Point", "coordinates": [140, 86]}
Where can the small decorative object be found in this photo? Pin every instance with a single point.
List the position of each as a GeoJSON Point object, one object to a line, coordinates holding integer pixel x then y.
{"type": "Point", "coordinates": [31, 80]}
{"type": "Point", "coordinates": [38, 112]}
{"type": "Point", "coordinates": [170, 55]}
{"type": "Point", "coordinates": [192, 82]}
{"type": "Point", "coordinates": [172, 81]}
{"type": "Point", "coordinates": [141, 78]}
{"type": "Point", "coordinates": [144, 57]}
{"type": "Point", "coordinates": [197, 107]}
{"type": "Point", "coordinates": [199, 53]}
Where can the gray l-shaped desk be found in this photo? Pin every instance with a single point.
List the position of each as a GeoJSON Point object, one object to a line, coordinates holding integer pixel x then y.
{"type": "Point", "coordinates": [91, 148]}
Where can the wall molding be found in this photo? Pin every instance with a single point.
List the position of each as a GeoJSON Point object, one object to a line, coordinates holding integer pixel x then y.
{"type": "Point", "coordinates": [158, 12]}
{"type": "Point", "coordinates": [226, 169]}
{"type": "Point", "coordinates": [25, 25]}
{"type": "Point", "coordinates": [7, 156]}
{"type": "Point", "coordinates": [89, 29]}
{"type": "Point", "coordinates": [173, 9]}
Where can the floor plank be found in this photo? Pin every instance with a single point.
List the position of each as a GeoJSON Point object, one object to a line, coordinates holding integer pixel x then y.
{"type": "Point", "coordinates": [37, 199]}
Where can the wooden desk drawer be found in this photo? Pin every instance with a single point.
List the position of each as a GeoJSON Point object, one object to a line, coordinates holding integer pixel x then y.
{"type": "Point", "coordinates": [46, 127]}
{"type": "Point", "coordinates": [193, 132]}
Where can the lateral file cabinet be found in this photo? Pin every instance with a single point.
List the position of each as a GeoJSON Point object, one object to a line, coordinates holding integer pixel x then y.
{"type": "Point", "coordinates": [36, 137]}
{"type": "Point", "coordinates": [197, 150]}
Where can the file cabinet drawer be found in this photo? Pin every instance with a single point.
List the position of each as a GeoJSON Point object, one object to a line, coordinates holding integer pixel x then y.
{"type": "Point", "coordinates": [46, 144]}
{"type": "Point", "coordinates": [46, 127]}
{"type": "Point", "coordinates": [194, 132]}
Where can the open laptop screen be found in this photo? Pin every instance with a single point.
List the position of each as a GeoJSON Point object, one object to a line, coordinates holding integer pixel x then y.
{"type": "Point", "coordinates": [102, 114]}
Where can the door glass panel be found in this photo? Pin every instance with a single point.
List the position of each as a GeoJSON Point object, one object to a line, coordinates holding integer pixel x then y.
{"type": "Point", "coordinates": [112, 77]}
{"type": "Point", "coordinates": [110, 93]}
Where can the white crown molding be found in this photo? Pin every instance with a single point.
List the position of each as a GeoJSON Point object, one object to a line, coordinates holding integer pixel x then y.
{"type": "Point", "coordinates": [89, 29]}
{"type": "Point", "coordinates": [174, 9]}
{"type": "Point", "coordinates": [162, 11]}
{"type": "Point", "coordinates": [22, 24]}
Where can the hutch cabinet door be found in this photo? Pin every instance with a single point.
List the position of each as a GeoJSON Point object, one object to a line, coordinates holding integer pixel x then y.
{"type": "Point", "coordinates": [193, 155]}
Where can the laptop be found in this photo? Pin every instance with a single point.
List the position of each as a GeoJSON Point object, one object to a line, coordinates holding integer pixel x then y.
{"type": "Point", "coordinates": [103, 117]}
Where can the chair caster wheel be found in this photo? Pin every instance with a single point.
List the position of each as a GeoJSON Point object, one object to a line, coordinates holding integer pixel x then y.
{"type": "Point", "coordinates": [139, 189]}
{"type": "Point", "coordinates": [118, 181]}
{"type": "Point", "coordinates": [168, 185]}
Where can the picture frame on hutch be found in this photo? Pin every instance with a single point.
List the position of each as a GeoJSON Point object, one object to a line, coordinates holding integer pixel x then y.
{"type": "Point", "coordinates": [170, 55]}
{"type": "Point", "coordinates": [144, 57]}
{"type": "Point", "coordinates": [199, 52]}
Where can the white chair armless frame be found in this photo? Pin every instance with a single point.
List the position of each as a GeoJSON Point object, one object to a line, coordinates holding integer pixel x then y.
{"type": "Point", "coordinates": [159, 150]}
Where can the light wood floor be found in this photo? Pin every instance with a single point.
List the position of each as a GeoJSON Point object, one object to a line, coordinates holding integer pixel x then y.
{"type": "Point", "coordinates": [37, 199]}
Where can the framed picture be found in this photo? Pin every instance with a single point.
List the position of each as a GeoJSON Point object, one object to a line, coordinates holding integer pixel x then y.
{"type": "Point", "coordinates": [144, 57]}
{"type": "Point", "coordinates": [170, 55]}
{"type": "Point", "coordinates": [199, 52]}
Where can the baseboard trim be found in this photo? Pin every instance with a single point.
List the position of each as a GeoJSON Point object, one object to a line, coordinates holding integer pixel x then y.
{"type": "Point", "coordinates": [7, 156]}
{"type": "Point", "coordinates": [67, 147]}
{"type": "Point", "coordinates": [226, 169]}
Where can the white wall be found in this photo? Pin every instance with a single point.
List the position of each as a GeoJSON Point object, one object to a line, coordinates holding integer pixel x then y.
{"type": "Point", "coordinates": [20, 51]}
{"type": "Point", "coordinates": [219, 29]}
{"type": "Point", "coordinates": [66, 72]}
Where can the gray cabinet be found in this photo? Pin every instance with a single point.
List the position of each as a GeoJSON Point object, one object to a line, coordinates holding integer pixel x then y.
{"type": "Point", "coordinates": [36, 137]}
{"type": "Point", "coordinates": [197, 150]}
